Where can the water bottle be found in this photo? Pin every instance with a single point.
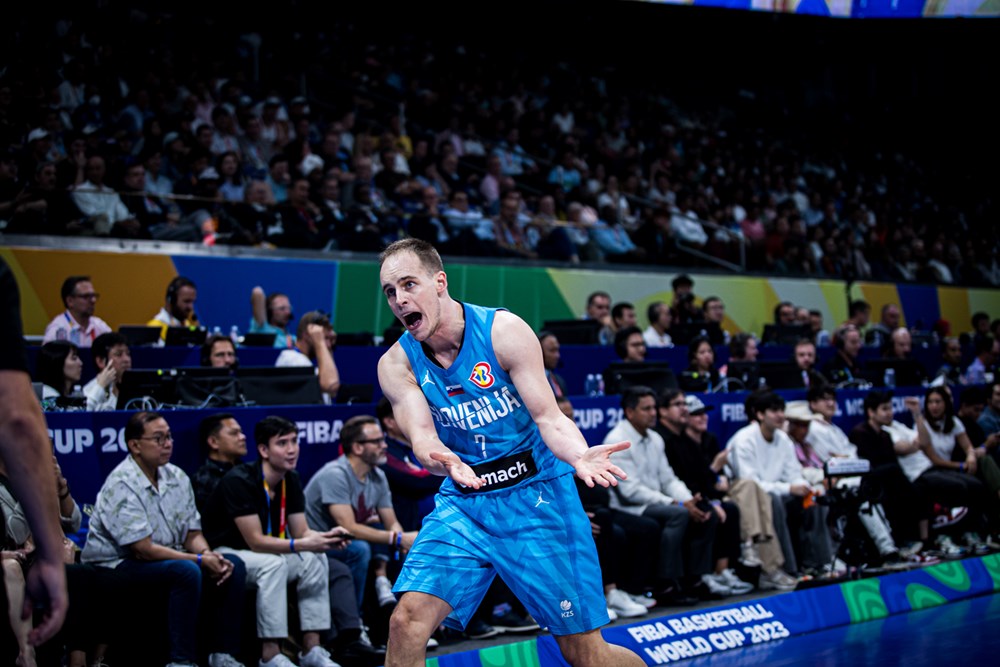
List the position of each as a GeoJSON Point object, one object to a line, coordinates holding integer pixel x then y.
{"type": "Point", "coordinates": [216, 330]}
{"type": "Point", "coordinates": [590, 385]}
{"type": "Point", "coordinates": [600, 384]}
{"type": "Point", "coordinates": [234, 334]}
{"type": "Point", "coordinates": [889, 378]}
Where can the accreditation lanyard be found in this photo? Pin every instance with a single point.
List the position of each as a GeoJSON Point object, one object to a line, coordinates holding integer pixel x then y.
{"type": "Point", "coordinates": [281, 516]}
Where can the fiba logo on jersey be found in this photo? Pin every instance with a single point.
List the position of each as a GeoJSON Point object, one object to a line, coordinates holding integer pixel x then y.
{"type": "Point", "coordinates": [567, 608]}
{"type": "Point", "coordinates": [481, 375]}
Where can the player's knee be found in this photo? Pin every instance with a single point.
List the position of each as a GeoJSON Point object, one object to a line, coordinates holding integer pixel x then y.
{"type": "Point", "coordinates": [407, 621]}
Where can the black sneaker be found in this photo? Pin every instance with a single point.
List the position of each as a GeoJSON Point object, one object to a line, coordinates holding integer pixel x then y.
{"type": "Point", "coordinates": [479, 629]}
{"type": "Point", "coordinates": [511, 621]}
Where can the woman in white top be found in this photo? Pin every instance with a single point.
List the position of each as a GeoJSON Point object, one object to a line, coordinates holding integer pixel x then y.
{"type": "Point", "coordinates": [945, 431]}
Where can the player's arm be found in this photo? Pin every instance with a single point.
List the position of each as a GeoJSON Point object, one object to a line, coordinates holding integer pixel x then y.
{"type": "Point", "coordinates": [517, 349]}
{"type": "Point", "coordinates": [409, 408]}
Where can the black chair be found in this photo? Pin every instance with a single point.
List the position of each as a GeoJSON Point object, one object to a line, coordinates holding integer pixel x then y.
{"type": "Point", "coordinates": [620, 375]}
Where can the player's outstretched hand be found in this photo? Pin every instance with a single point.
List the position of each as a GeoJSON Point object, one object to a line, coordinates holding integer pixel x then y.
{"type": "Point", "coordinates": [595, 465]}
{"type": "Point", "coordinates": [460, 472]}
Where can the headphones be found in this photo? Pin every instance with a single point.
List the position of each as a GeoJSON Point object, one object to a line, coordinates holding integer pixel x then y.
{"type": "Point", "coordinates": [840, 332]}
{"type": "Point", "coordinates": [175, 286]}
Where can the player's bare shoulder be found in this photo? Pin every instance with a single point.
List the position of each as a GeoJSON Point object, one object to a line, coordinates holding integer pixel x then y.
{"type": "Point", "coordinates": [394, 366]}
{"type": "Point", "coordinates": [513, 339]}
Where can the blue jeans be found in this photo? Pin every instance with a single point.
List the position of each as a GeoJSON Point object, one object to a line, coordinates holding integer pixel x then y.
{"type": "Point", "coordinates": [183, 581]}
{"type": "Point", "coordinates": [356, 556]}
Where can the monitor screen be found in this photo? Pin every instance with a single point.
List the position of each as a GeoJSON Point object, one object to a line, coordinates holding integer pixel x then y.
{"type": "Point", "coordinates": [621, 375]}
{"type": "Point", "coordinates": [139, 383]}
{"type": "Point", "coordinates": [574, 332]}
{"type": "Point", "coordinates": [189, 336]}
{"type": "Point", "coordinates": [276, 385]}
{"type": "Point", "coordinates": [682, 334]}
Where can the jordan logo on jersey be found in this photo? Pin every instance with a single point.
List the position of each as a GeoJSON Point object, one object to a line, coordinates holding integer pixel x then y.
{"type": "Point", "coordinates": [427, 379]}
{"type": "Point", "coordinates": [481, 375]}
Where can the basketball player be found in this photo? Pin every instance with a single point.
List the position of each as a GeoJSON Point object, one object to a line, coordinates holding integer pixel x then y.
{"type": "Point", "coordinates": [467, 387]}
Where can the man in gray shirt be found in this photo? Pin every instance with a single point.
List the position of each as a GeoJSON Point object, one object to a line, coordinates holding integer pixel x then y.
{"type": "Point", "coordinates": [352, 492]}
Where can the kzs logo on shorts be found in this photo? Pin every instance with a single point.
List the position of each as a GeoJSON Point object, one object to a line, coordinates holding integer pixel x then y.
{"type": "Point", "coordinates": [481, 375]}
{"type": "Point", "coordinates": [567, 608]}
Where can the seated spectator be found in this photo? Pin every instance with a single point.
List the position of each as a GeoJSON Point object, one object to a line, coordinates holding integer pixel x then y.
{"type": "Point", "coordinates": [683, 307]}
{"type": "Point", "coordinates": [257, 513]}
{"type": "Point", "coordinates": [77, 324]}
{"type": "Point", "coordinates": [223, 444]}
{"type": "Point", "coordinates": [656, 237]}
{"type": "Point", "coordinates": [804, 355]}
{"type": "Point", "coordinates": [989, 420]}
{"type": "Point", "coordinates": [987, 350]}
{"type": "Point", "coordinates": [279, 177]}
{"type": "Point", "coordinates": [352, 492]}
{"type": "Point", "coordinates": [112, 357]}
{"type": "Point", "coordinates": [157, 218]}
{"type": "Point", "coordinates": [820, 335]}
{"type": "Point", "coordinates": [550, 359]}
{"type": "Point", "coordinates": [811, 428]}
{"type": "Point", "coordinates": [971, 404]}
{"type": "Point", "coordinates": [146, 527]}
{"type": "Point", "coordinates": [302, 220]}
{"type": "Point", "coordinates": [622, 315]}
{"type": "Point", "coordinates": [178, 311]}
{"type": "Point", "coordinates": [743, 347]}
{"type": "Point", "coordinates": [843, 368]}
{"type": "Point", "coordinates": [951, 449]}
{"type": "Point", "coordinates": [784, 316]}
{"type": "Point", "coordinates": [880, 333]}
{"type": "Point", "coordinates": [626, 547]}
{"type": "Point", "coordinates": [701, 373]}
{"type": "Point", "coordinates": [660, 321]}
{"type": "Point", "coordinates": [980, 325]}
{"type": "Point", "coordinates": [858, 314]}
{"type": "Point", "coordinates": [106, 214]}
{"type": "Point", "coordinates": [652, 489]}
{"type": "Point", "coordinates": [473, 232]}
{"type": "Point", "coordinates": [764, 453]}
{"type": "Point", "coordinates": [685, 225]}
{"type": "Point", "coordinates": [511, 241]}
{"type": "Point", "coordinates": [43, 207]}
{"type": "Point", "coordinates": [900, 348]}
{"type": "Point", "coordinates": [685, 458]}
{"type": "Point", "coordinates": [314, 345]}
{"type": "Point", "coordinates": [599, 310]}
{"type": "Point", "coordinates": [272, 314]}
{"type": "Point", "coordinates": [629, 345]}
{"type": "Point", "coordinates": [59, 369]}
{"type": "Point", "coordinates": [951, 362]}
{"type": "Point", "coordinates": [429, 223]}
{"type": "Point", "coordinates": [219, 351]}
{"type": "Point", "coordinates": [933, 485]}
{"type": "Point", "coordinates": [412, 486]}
{"type": "Point", "coordinates": [714, 310]}
{"type": "Point", "coordinates": [254, 219]}
{"type": "Point", "coordinates": [613, 241]}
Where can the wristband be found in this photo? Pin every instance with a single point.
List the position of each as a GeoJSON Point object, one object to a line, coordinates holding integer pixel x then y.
{"type": "Point", "coordinates": [961, 467]}
{"type": "Point", "coordinates": [291, 545]}
{"type": "Point", "coordinates": [399, 546]}
{"type": "Point", "coordinates": [199, 560]}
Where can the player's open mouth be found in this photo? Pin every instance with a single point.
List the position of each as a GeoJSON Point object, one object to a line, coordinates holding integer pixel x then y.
{"type": "Point", "coordinates": [412, 320]}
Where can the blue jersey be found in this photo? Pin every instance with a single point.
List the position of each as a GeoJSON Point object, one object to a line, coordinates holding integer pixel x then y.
{"type": "Point", "coordinates": [478, 412]}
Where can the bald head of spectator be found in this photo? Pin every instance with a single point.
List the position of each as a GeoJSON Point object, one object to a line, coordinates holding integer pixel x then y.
{"type": "Point", "coordinates": [901, 344]}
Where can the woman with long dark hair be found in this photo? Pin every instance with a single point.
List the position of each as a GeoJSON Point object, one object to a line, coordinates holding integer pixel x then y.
{"type": "Point", "coordinates": [59, 368]}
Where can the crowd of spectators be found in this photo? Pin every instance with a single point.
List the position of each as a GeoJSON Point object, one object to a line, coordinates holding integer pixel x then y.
{"type": "Point", "coordinates": [443, 142]}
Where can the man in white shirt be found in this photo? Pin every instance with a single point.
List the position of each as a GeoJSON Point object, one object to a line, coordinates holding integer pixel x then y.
{"type": "Point", "coordinates": [762, 452]}
{"type": "Point", "coordinates": [651, 489]}
{"type": "Point", "coordinates": [660, 320]}
{"type": "Point", "coordinates": [77, 324]}
{"type": "Point", "coordinates": [315, 344]}
{"type": "Point", "coordinates": [101, 204]}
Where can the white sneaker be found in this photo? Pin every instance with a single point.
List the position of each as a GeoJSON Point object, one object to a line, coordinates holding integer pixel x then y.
{"type": "Point", "coordinates": [223, 660]}
{"type": "Point", "coordinates": [383, 590]}
{"type": "Point", "coordinates": [975, 543]}
{"type": "Point", "coordinates": [279, 660]}
{"type": "Point", "coordinates": [644, 600]}
{"type": "Point", "coordinates": [623, 605]}
{"type": "Point", "coordinates": [715, 585]}
{"type": "Point", "coordinates": [432, 644]}
{"type": "Point", "coordinates": [612, 615]}
{"type": "Point", "coordinates": [779, 580]}
{"type": "Point", "coordinates": [736, 585]}
{"type": "Point", "coordinates": [749, 555]}
{"type": "Point", "coordinates": [948, 548]}
{"type": "Point", "coordinates": [317, 657]}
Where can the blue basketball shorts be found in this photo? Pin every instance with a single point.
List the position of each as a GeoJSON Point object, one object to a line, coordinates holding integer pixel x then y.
{"type": "Point", "coordinates": [536, 536]}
